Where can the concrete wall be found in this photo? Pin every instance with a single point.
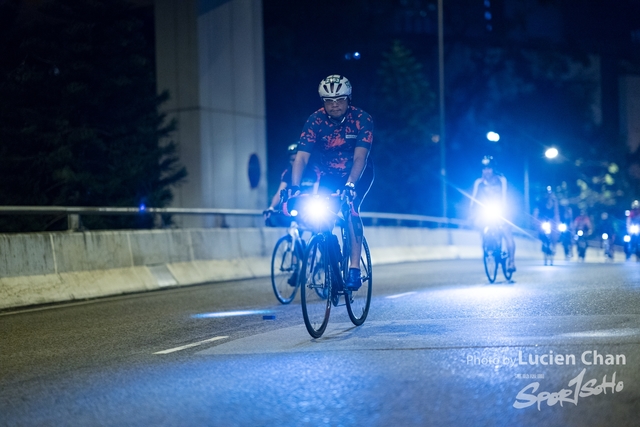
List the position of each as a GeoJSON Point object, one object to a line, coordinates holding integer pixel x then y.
{"type": "Point", "coordinates": [209, 57]}
{"type": "Point", "coordinates": [42, 268]}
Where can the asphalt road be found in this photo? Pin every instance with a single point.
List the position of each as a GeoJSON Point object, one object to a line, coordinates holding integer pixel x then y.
{"type": "Point", "coordinates": [559, 346]}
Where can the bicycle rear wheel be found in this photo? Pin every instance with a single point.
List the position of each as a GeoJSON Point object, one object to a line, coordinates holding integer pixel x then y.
{"type": "Point", "coordinates": [285, 267]}
{"type": "Point", "coordinates": [358, 302]}
{"type": "Point", "coordinates": [490, 265]}
{"type": "Point", "coordinates": [316, 287]}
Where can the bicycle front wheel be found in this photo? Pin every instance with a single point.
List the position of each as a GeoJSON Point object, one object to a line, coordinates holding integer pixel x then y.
{"type": "Point", "coordinates": [315, 289]}
{"type": "Point", "coordinates": [490, 265]}
{"type": "Point", "coordinates": [285, 267]}
{"type": "Point", "coordinates": [358, 302]}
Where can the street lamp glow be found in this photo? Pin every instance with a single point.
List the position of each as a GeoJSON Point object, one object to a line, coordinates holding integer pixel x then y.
{"type": "Point", "coordinates": [493, 136]}
{"type": "Point", "coordinates": [551, 153]}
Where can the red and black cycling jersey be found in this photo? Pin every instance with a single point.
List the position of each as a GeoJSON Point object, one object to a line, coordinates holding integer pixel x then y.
{"type": "Point", "coordinates": [334, 142]}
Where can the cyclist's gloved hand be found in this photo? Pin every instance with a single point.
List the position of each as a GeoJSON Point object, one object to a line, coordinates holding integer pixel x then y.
{"type": "Point", "coordinates": [268, 212]}
{"type": "Point", "coordinates": [349, 190]}
{"type": "Point", "coordinates": [293, 190]}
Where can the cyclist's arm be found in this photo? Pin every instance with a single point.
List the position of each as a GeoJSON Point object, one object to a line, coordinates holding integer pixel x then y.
{"type": "Point", "coordinates": [302, 158]}
{"type": "Point", "coordinates": [359, 161]}
{"type": "Point", "coordinates": [275, 201]}
{"type": "Point", "coordinates": [503, 180]}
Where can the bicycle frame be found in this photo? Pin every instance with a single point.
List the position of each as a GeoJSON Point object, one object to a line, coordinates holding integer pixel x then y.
{"type": "Point", "coordinates": [325, 270]}
{"type": "Point", "coordinates": [493, 255]}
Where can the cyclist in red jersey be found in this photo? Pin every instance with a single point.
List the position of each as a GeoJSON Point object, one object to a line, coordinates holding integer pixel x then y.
{"type": "Point", "coordinates": [341, 136]}
{"type": "Point", "coordinates": [583, 223]}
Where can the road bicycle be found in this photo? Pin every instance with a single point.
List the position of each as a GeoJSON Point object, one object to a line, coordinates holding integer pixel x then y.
{"type": "Point", "coordinates": [548, 249]}
{"type": "Point", "coordinates": [565, 239]}
{"type": "Point", "coordinates": [286, 262]}
{"type": "Point", "coordinates": [493, 254]}
{"type": "Point", "coordinates": [607, 247]}
{"type": "Point", "coordinates": [325, 265]}
{"type": "Point", "coordinates": [632, 242]}
{"type": "Point", "coordinates": [581, 244]}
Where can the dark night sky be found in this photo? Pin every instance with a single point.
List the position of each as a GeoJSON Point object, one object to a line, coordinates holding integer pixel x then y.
{"type": "Point", "coordinates": [305, 41]}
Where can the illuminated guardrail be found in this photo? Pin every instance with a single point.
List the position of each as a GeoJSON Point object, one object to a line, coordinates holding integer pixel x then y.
{"type": "Point", "coordinates": [73, 214]}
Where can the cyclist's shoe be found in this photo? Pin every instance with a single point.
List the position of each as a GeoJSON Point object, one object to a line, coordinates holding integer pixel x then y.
{"type": "Point", "coordinates": [353, 281]}
{"type": "Point", "coordinates": [293, 280]}
{"type": "Point", "coordinates": [511, 266]}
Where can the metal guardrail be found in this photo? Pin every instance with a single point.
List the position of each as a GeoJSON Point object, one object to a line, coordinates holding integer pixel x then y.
{"type": "Point", "coordinates": [73, 214]}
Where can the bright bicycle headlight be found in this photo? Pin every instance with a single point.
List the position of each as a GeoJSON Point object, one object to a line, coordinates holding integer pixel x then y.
{"type": "Point", "coordinates": [316, 209]}
{"type": "Point", "coordinates": [634, 229]}
{"type": "Point", "coordinates": [562, 227]}
{"type": "Point", "coordinates": [546, 227]}
{"type": "Point", "coordinates": [492, 212]}
{"type": "Point", "coordinates": [627, 238]}
{"type": "Point", "coordinates": [605, 236]}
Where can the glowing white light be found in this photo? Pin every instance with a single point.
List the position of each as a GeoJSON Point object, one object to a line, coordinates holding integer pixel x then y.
{"type": "Point", "coordinates": [316, 209]}
{"type": "Point", "coordinates": [230, 314]}
{"type": "Point", "coordinates": [634, 229]}
{"type": "Point", "coordinates": [546, 227]}
{"type": "Point", "coordinates": [562, 227]}
{"type": "Point", "coordinates": [294, 212]}
{"type": "Point", "coordinates": [627, 238]}
{"type": "Point", "coordinates": [580, 232]}
{"type": "Point", "coordinates": [492, 212]}
{"type": "Point", "coordinates": [551, 153]}
{"type": "Point", "coordinates": [605, 236]}
{"type": "Point", "coordinates": [493, 136]}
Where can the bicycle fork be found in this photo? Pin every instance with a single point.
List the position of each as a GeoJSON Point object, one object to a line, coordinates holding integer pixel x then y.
{"type": "Point", "coordinates": [336, 258]}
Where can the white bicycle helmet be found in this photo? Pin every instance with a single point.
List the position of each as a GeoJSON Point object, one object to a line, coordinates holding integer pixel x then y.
{"type": "Point", "coordinates": [333, 86]}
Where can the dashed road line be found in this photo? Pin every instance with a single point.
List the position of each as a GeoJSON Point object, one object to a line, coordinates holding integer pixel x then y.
{"type": "Point", "coordinates": [195, 344]}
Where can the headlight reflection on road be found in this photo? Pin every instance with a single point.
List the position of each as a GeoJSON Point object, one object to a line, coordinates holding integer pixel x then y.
{"type": "Point", "coordinates": [230, 314]}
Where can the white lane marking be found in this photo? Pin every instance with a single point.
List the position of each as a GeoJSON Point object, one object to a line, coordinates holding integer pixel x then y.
{"type": "Point", "coordinates": [171, 350]}
{"type": "Point", "coordinates": [401, 295]}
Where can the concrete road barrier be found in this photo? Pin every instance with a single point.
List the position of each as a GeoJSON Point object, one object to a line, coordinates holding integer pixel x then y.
{"type": "Point", "coordinates": [42, 268]}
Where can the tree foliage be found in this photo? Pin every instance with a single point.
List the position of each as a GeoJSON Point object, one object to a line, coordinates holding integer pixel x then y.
{"type": "Point", "coordinates": [79, 119]}
{"type": "Point", "coordinates": [405, 119]}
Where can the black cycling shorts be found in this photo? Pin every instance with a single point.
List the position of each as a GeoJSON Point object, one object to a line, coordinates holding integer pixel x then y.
{"type": "Point", "coordinates": [332, 183]}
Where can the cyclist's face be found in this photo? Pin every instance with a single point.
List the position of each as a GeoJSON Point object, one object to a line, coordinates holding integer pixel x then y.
{"type": "Point", "coordinates": [336, 107]}
{"type": "Point", "coordinates": [487, 172]}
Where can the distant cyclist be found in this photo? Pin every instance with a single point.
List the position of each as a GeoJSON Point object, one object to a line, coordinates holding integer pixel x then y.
{"type": "Point", "coordinates": [583, 223]}
{"type": "Point", "coordinates": [491, 189]}
{"type": "Point", "coordinates": [608, 229]}
{"type": "Point", "coordinates": [341, 136]}
{"type": "Point", "coordinates": [634, 216]}
{"type": "Point", "coordinates": [548, 211]}
{"type": "Point", "coordinates": [273, 216]}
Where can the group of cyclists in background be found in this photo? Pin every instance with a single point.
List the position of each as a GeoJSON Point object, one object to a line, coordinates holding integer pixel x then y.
{"type": "Point", "coordinates": [332, 157]}
{"type": "Point", "coordinates": [557, 226]}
